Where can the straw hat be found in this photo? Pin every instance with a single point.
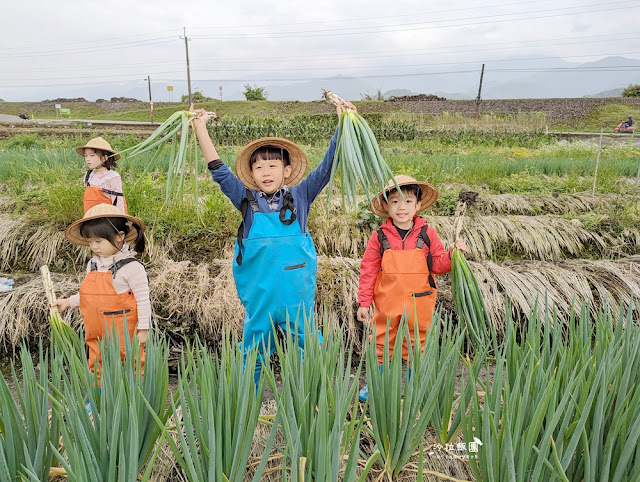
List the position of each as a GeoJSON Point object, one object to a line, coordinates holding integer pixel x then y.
{"type": "Point", "coordinates": [429, 195]}
{"type": "Point", "coordinates": [72, 233]}
{"type": "Point", "coordinates": [98, 143]}
{"type": "Point", "coordinates": [297, 158]}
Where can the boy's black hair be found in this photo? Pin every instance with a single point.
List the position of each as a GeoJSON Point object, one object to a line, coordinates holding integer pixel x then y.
{"type": "Point", "coordinates": [110, 163]}
{"type": "Point", "coordinates": [269, 153]}
{"type": "Point", "coordinates": [108, 228]}
{"type": "Point", "coordinates": [408, 189]}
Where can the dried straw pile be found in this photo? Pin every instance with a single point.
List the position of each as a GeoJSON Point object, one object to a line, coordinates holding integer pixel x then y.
{"type": "Point", "coordinates": [193, 298]}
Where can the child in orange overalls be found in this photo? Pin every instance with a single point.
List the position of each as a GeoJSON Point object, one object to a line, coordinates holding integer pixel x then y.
{"type": "Point", "coordinates": [116, 285]}
{"type": "Point", "coordinates": [102, 184]}
{"type": "Point", "coordinates": [399, 264]}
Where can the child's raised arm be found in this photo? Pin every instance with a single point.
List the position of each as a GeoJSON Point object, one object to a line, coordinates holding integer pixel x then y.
{"type": "Point", "coordinates": [200, 125]}
{"type": "Point", "coordinates": [230, 185]}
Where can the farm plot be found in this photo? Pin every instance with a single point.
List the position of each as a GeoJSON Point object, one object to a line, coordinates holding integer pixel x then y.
{"type": "Point", "coordinates": [539, 241]}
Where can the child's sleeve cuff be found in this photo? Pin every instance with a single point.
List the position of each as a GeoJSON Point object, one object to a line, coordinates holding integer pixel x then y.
{"type": "Point", "coordinates": [215, 164]}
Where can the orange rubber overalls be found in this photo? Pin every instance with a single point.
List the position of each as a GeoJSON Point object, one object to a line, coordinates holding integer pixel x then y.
{"type": "Point", "coordinates": [96, 195]}
{"type": "Point", "coordinates": [102, 307]}
{"type": "Point", "coordinates": [405, 280]}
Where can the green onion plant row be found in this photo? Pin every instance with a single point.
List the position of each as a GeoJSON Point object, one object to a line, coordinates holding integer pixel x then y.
{"type": "Point", "coordinates": [548, 405]}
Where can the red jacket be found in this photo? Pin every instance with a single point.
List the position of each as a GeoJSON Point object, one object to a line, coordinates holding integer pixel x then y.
{"type": "Point", "coordinates": [371, 260]}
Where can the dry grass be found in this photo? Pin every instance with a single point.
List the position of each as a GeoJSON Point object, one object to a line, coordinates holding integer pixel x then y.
{"type": "Point", "coordinates": [531, 205]}
{"type": "Point", "coordinates": [24, 313]}
{"type": "Point", "coordinates": [536, 237]}
{"type": "Point", "coordinates": [7, 203]}
{"type": "Point", "coordinates": [32, 243]}
{"type": "Point", "coordinates": [189, 298]}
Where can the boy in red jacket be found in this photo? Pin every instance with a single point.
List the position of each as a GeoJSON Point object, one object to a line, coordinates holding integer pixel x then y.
{"type": "Point", "coordinates": [399, 263]}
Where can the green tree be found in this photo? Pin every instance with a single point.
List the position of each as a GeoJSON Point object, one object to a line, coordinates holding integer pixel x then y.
{"type": "Point", "coordinates": [197, 96]}
{"type": "Point", "coordinates": [631, 91]}
{"type": "Point", "coordinates": [254, 93]}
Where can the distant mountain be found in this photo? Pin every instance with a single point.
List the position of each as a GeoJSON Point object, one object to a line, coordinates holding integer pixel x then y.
{"type": "Point", "coordinates": [608, 93]}
{"type": "Point", "coordinates": [506, 79]}
{"type": "Point", "coordinates": [577, 80]}
{"type": "Point", "coordinates": [398, 93]}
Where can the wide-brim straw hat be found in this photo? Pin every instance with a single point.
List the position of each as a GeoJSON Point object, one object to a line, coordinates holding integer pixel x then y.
{"type": "Point", "coordinates": [98, 143]}
{"type": "Point", "coordinates": [72, 233]}
{"type": "Point", "coordinates": [428, 197]}
{"type": "Point", "coordinates": [297, 160]}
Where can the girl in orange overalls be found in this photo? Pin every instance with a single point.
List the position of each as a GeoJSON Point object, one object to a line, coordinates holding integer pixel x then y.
{"type": "Point", "coordinates": [116, 286]}
{"type": "Point", "coordinates": [399, 264]}
{"type": "Point", "coordinates": [102, 184]}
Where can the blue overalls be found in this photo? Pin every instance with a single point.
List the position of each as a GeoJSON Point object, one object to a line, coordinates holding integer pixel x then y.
{"type": "Point", "coordinates": [275, 270]}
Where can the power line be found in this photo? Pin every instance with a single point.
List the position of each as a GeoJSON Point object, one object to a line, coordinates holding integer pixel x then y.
{"type": "Point", "coordinates": [317, 67]}
{"type": "Point", "coordinates": [385, 17]}
{"type": "Point", "coordinates": [412, 53]}
{"type": "Point", "coordinates": [110, 75]}
{"type": "Point", "coordinates": [99, 44]}
{"type": "Point", "coordinates": [372, 76]}
{"type": "Point", "coordinates": [375, 53]}
{"type": "Point", "coordinates": [379, 29]}
{"type": "Point", "coordinates": [86, 50]}
{"type": "Point", "coordinates": [280, 69]}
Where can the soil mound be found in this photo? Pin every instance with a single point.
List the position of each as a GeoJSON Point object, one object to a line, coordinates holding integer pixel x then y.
{"type": "Point", "coordinates": [411, 98]}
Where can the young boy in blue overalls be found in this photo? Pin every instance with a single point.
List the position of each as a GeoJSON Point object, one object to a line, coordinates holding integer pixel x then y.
{"type": "Point", "coordinates": [275, 263]}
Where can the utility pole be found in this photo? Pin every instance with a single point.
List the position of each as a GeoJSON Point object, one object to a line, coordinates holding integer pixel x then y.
{"type": "Point", "coordinates": [186, 48]}
{"type": "Point", "coordinates": [150, 101]}
{"type": "Point", "coordinates": [479, 99]}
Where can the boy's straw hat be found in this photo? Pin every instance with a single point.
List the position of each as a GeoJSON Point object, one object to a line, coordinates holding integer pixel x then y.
{"type": "Point", "coordinates": [297, 158]}
{"type": "Point", "coordinates": [429, 195]}
{"type": "Point", "coordinates": [72, 233]}
{"type": "Point", "coordinates": [98, 143]}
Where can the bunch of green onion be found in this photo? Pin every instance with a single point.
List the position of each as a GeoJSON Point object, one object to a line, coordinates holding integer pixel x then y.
{"type": "Point", "coordinates": [64, 339]}
{"type": "Point", "coordinates": [468, 299]}
{"type": "Point", "coordinates": [467, 296]}
{"type": "Point", "coordinates": [358, 156]}
{"type": "Point", "coordinates": [175, 130]}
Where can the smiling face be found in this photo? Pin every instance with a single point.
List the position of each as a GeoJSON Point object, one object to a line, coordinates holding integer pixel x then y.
{"type": "Point", "coordinates": [402, 212]}
{"type": "Point", "coordinates": [93, 158]}
{"type": "Point", "coordinates": [269, 174]}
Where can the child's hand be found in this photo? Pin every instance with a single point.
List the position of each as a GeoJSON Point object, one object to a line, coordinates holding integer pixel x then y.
{"type": "Point", "coordinates": [202, 118]}
{"type": "Point", "coordinates": [363, 313]}
{"type": "Point", "coordinates": [62, 304]}
{"type": "Point", "coordinates": [143, 335]}
{"type": "Point", "coordinates": [461, 245]}
{"type": "Point", "coordinates": [342, 105]}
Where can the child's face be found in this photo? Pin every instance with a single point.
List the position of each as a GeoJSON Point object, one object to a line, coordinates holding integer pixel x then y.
{"type": "Point", "coordinates": [400, 211]}
{"type": "Point", "coordinates": [93, 159]}
{"type": "Point", "coordinates": [269, 174]}
{"type": "Point", "coordinates": [103, 248]}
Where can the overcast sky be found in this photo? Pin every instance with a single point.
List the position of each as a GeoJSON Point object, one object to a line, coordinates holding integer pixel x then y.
{"type": "Point", "coordinates": [48, 46]}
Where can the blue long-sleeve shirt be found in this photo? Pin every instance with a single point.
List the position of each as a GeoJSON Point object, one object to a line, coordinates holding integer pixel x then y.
{"type": "Point", "coordinates": [303, 193]}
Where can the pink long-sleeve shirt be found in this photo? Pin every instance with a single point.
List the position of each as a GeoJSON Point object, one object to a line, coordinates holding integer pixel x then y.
{"type": "Point", "coordinates": [110, 181]}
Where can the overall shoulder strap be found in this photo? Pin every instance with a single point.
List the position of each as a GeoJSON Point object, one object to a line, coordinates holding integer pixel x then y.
{"type": "Point", "coordinates": [119, 264]}
{"type": "Point", "coordinates": [249, 200]}
{"type": "Point", "coordinates": [93, 266]}
{"type": "Point", "coordinates": [113, 193]}
{"type": "Point", "coordinates": [422, 240]}
{"type": "Point", "coordinates": [384, 241]}
{"type": "Point", "coordinates": [86, 177]}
